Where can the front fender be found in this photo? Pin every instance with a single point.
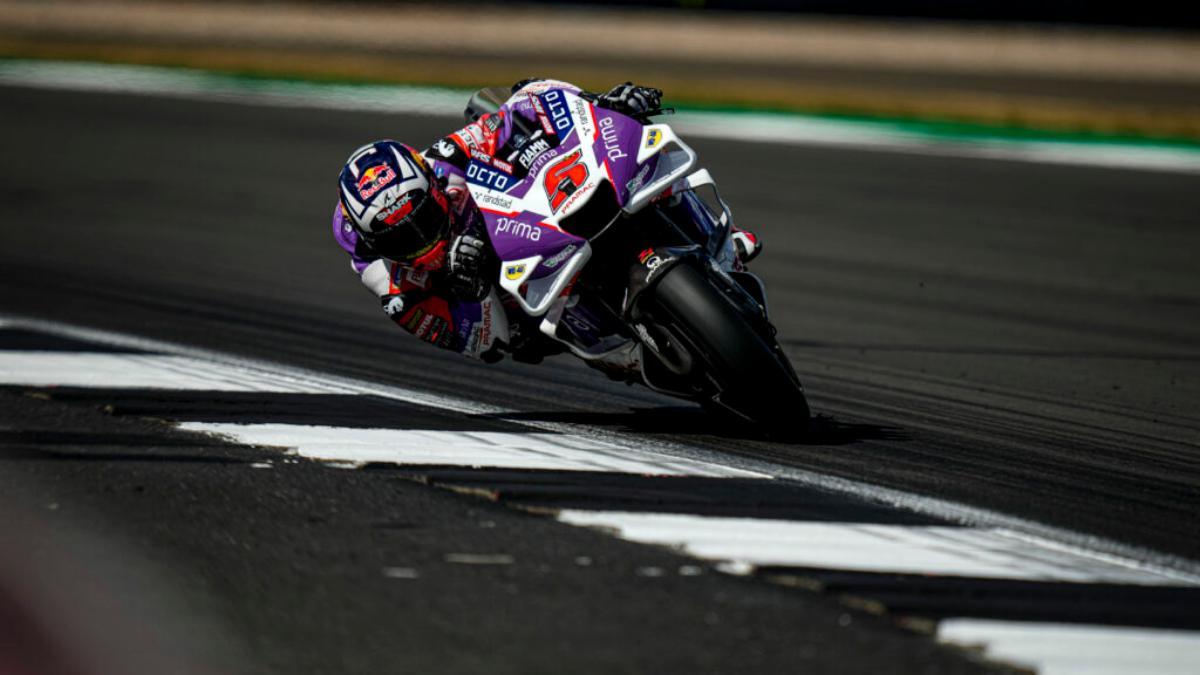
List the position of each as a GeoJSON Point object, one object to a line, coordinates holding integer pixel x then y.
{"type": "Point", "coordinates": [650, 266]}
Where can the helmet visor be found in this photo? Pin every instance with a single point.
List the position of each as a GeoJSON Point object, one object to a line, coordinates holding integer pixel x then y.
{"type": "Point", "coordinates": [416, 235]}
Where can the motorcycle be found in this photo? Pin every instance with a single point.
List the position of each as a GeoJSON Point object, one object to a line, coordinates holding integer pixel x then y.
{"type": "Point", "coordinates": [617, 245]}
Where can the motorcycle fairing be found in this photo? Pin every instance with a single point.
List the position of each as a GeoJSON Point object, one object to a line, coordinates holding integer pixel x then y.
{"type": "Point", "coordinates": [536, 294]}
{"type": "Point", "coordinates": [525, 220]}
{"type": "Point", "coordinates": [673, 159]}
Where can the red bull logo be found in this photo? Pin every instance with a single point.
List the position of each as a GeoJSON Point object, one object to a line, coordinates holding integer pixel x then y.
{"type": "Point", "coordinates": [374, 179]}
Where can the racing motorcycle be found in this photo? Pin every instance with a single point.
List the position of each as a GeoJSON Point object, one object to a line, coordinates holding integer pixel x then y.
{"type": "Point", "coordinates": [616, 244]}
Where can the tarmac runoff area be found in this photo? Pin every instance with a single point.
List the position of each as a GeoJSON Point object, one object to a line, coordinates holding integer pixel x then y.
{"type": "Point", "coordinates": [956, 576]}
{"type": "Point", "coordinates": [1109, 81]}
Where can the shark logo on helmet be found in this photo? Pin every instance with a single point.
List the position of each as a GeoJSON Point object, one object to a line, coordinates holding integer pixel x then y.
{"type": "Point", "coordinates": [396, 212]}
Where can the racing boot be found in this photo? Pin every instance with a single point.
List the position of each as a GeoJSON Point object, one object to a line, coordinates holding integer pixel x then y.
{"type": "Point", "coordinates": [526, 344]}
{"type": "Point", "coordinates": [623, 364]}
{"type": "Point", "coordinates": [747, 244]}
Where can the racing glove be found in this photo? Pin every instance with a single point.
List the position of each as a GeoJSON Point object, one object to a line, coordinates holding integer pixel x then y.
{"type": "Point", "coordinates": [394, 305]}
{"type": "Point", "coordinates": [468, 269]}
{"type": "Point", "coordinates": [632, 100]}
{"type": "Point", "coordinates": [407, 310]}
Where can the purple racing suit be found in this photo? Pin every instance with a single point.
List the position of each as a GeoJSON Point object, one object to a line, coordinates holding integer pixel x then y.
{"type": "Point", "coordinates": [416, 298]}
{"type": "Point", "coordinates": [413, 297]}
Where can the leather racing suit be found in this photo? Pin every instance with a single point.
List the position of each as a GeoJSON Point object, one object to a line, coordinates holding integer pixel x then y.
{"type": "Point", "coordinates": [418, 300]}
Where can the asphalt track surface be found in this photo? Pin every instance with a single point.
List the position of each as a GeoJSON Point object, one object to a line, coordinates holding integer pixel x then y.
{"type": "Point", "coordinates": [1018, 337]}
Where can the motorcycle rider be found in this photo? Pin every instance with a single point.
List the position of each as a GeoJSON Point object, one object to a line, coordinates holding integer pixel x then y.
{"type": "Point", "coordinates": [418, 241]}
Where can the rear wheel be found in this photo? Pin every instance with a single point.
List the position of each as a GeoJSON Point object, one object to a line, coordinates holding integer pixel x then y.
{"type": "Point", "coordinates": [744, 367]}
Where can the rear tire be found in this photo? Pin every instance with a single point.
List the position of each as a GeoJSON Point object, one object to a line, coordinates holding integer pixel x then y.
{"type": "Point", "coordinates": [749, 370]}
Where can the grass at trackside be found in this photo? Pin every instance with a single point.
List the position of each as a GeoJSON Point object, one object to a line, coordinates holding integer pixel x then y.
{"type": "Point", "coordinates": [1017, 133]}
{"type": "Point", "coordinates": [965, 130]}
{"type": "Point", "coordinates": [948, 126]}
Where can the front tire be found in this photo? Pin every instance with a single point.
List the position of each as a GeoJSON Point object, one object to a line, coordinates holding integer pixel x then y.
{"type": "Point", "coordinates": [743, 368]}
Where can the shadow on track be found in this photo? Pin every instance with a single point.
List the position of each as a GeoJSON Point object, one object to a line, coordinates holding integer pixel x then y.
{"type": "Point", "coordinates": [73, 446]}
{"type": "Point", "coordinates": [694, 421]}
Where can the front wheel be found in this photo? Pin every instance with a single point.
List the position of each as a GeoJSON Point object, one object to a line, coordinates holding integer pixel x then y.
{"type": "Point", "coordinates": [743, 370]}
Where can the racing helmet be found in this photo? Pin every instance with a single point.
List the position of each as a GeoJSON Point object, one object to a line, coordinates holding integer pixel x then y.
{"type": "Point", "coordinates": [394, 201]}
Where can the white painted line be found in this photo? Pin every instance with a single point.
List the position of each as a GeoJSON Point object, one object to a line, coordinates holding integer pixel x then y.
{"type": "Point", "coordinates": [882, 136]}
{"type": "Point", "coordinates": [1185, 570]}
{"type": "Point", "coordinates": [150, 371]}
{"type": "Point", "coordinates": [946, 551]}
{"type": "Point", "coordinates": [476, 449]}
{"type": "Point", "coordinates": [400, 573]}
{"type": "Point", "coordinates": [447, 102]}
{"type": "Point", "coordinates": [197, 84]}
{"type": "Point", "coordinates": [1063, 649]}
{"type": "Point", "coordinates": [205, 371]}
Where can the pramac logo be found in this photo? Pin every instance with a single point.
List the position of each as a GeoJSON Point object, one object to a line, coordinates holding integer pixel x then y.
{"type": "Point", "coordinates": [564, 178]}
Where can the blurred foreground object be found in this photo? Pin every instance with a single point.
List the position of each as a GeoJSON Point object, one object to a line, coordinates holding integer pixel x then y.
{"type": "Point", "coordinates": [1105, 80]}
{"type": "Point", "coordinates": [74, 603]}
